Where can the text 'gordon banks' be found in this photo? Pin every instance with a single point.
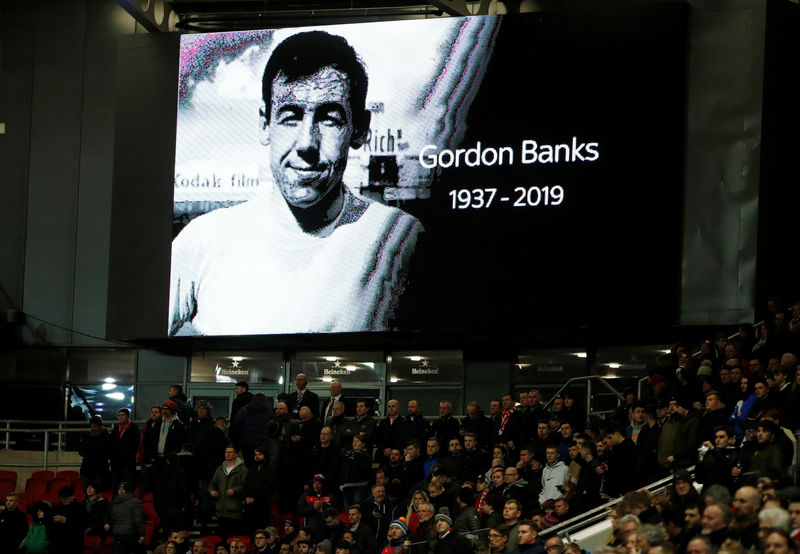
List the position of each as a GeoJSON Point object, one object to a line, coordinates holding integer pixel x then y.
{"type": "Point", "coordinates": [530, 152]}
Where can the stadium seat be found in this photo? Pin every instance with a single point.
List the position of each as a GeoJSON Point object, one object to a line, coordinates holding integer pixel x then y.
{"type": "Point", "coordinates": [43, 475]}
{"type": "Point", "coordinates": [245, 540]}
{"type": "Point", "coordinates": [9, 475]}
{"type": "Point", "coordinates": [35, 487]}
{"type": "Point", "coordinates": [149, 531]}
{"type": "Point", "coordinates": [91, 544]}
{"type": "Point", "coordinates": [150, 513]}
{"type": "Point", "coordinates": [107, 495]}
{"type": "Point", "coordinates": [69, 474]}
{"type": "Point", "coordinates": [212, 540]}
{"type": "Point", "coordinates": [6, 486]}
{"type": "Point", "coordinates": [56, 484]}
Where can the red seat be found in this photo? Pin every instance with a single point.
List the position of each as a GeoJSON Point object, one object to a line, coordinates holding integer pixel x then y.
{"type": "Point", "coordinates": [149, 531]}
{"type": "Point", "coordinates": [212, 540]}
{"type": "Point", "coordinates": [69, 474]}
{"type": "Point", "coordinates": [6, 486]}
{"type": "Point", "coordinates": [35, 487]}
{"type": "Point", "coordinates": [9, 475]}
{"type": "Point", "coordinates": [107, 495]}
{"type": "Point", "coordinates": [92, 545]}
{"type": "Point", "coordinates": [150, 513]}
{"type": "Point", "coordinates": [147, 496]}
{"type": "Point", "coordinates": [56, 484]}
{"type": "Point", "coordinates": [43, 474]}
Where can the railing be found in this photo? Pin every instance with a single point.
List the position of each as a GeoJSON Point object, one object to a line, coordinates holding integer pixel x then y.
{"type": "Point", "coordinates": [595, 515]}
{"type": "Point", "coordinates": [588, 380]}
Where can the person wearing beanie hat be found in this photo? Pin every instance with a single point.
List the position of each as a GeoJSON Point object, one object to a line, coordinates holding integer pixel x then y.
{"type": "Point", "coordinates": [324, 547]}
{"type": "Point", "coordinates": [124, 446]}
{"type": "Point", "coordinates": [396, 536]}
{"type": "Point", "coordinates": [447, 540]}
{"type": "Point", "coordinates": [170, 433]}
{"type": "Point", "coordinates": [680, 435]}
{"type": "Point", "coordinates": [98, 510]}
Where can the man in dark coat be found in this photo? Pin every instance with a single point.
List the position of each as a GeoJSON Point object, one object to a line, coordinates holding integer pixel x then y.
{"type": "Point", "coordinates": [326, 458]}
{"type": "Point", "coordinates": [477, 423]}
{"type": "Point", "coordinates": [418, 427]}
{"type": "Point", "coordinates": [124, 446]}
{"type": "Point", "coordinates": [259, 485]}
{"type": "Point", "coordinates": [446, 427]}
{"type": "Point", "coordinates": [69, 522]}
{"type": "Point", "coordinates": [127, 521]}
{"type": "Point", "coordinates": [95, 448]}
{"type": "Point", "coordinates": [391, 432]}
{"type": "Point", "coordinates": [249, 429]}
{"type": "Point", "coordinates": [303, 397]}
{"type": "Point", "coordinates": [13, 525]}
{"type": "Point", "coordinates": [243, 397]}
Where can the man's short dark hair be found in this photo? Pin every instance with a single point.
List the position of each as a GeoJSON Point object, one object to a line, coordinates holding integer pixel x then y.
{"type": "Point", "coordinates": [178, 388]}
{"type": "Point", "coordinates": [357, 507]}
{"type": "Point", "coordinates": [243, 384]}
{"type": "Point", "coordinates": [304, 54]}
{"type": "Point", "coordinates": [501, 528]}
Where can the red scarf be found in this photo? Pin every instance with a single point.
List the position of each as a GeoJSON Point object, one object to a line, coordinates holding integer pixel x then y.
{"type": "Point", "coordinates": [123, 427]}
{"type": "Point", "coordinates": [504, 419]}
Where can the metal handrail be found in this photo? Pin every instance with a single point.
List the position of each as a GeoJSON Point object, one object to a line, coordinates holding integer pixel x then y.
{"type": "Point", "coordinates": [565, 528]}
{"type": "Point", "coordinates": [589, 379]}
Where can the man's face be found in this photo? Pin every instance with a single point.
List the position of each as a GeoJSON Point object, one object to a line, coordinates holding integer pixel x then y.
{"type": "Point", "coordinates": [455, 446]}
{"type": "Point", "coordinates": [469, 442]}
{"type": "Point", "coordinates": [763, 436]}
{"type": "Point", "coordinates": [562, 507]}
{"type": "Point", "coordinates": [239, 390]}
{"type": "Point", "coordinates": [338, 409]}
{"type": "Point", "coordinates": [510, 511]}
{"type": "Point", "coordinates": [302, 548]}
{"type": "Point", "coordinates": [444, 409]}
{"type": "Point", "coordinates": [281, 409]}
{"type": "Point", "coordinates": [543, 430]}
{"type": "Point", "coordinates": [241, 548]}
{"type": "Point", "coordinates": [301, 380]}
{"type": "Point", "coordinates": [696, 546]}
{"type": "Point", "coordinates": [523, 399]}
{"type": "Point", "coordinates": [498, 478]}
{"type": "Point", "coordinates": [442, 526]}
{"type": "Point", "coordinates": [534, 398]}
{"type": "Point", "coordinates": [472, 409]}
{"type": "Point", "coordinates": [166, 412]}
{"type": "Point", "coordinates": [425, 512]}
{"type": "Point", "coordinates": [639, 415]}
{"type": "Point", "coordinates": [395, 456]}
{"type": "Point", "coordinates": [305, 413]}
{"type": "Point", "coordinates": [361, 409]}
{"type": "Point", "coordinates": [412, 450]}
{"type": "Point", "coordinates": [497, 541]}
{"type": "Point", "coordinates": [761, 390]}
{"type": "Point", "coordinates": [511, 475]}
{"type": "Point", "coordinates": [395, 533]}
{"type": "Point", "coordinates": [413, 407]}
{"type": "Point", "coordinates": [336, 388]}
{"type": "Point", "coordinates": [11, 502]}
{"type": "Point", "coordinates": [508, 402]}
{"type": "Point", "coordinates": [287, 549]}
{"type": "Point", "coordinates": [173, 392]}
{"type": "Point", "coordinates": [325, 435]}
{"type": "Point", "coordinates": [258, 456]}
{"type": "Point", "coordinates": [692, 517]}
{"type": "Point", "coordinates": [746, 501]}
{"type": "Point", "coordinates": [155, 413]}
{"type": "Point", "coordinates": [712, 519]}
{"type": "Point", "coordinates": [199, 547]}
{"type": "Point", "coordinates": [432, 447]}
{"type": "Point", "coordinates": [552, 455]}
{"type": "Point", "coordinates": [310, 132]}
{"type": "Point", "coordinates": [573, 452]}
{"type": "Point", "coordinates": [355, 516]}
{"type": "Point", "coordinates": [713, 402]}
{"type": "Point", "coordinates": [230, 454]}
{"type": "Point", "coordinates": [526, 534]}
{"type": "Point", "coordinates": [123, 418]}
{"type": "Point", "coordinates": [494, 407]}
{"type": "Point", "coordinates": [566, 430]}
{"type": "Point", "coordinates": [776, 544]}
{"type": "Point", "coordinates": [202, 412]}
{"type": "Point", "coordinates": [721, 439]}
{"type": "Point", "coordinates": [393, 408]}
{"type": "Point", "coordinates": [379, 494]}
{"type": "Point", "coordinates": [794, 514]}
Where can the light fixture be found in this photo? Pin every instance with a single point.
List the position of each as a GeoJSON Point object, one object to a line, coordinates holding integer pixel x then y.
{"type": "Point", "coordinates": [109, 380]}
{"type": "Point", "coordinates": [115, 396]}
{"type": "Point", "coordinates": [580, 354]}
{"type": "Point", "coordinates": [414, 358]}
{"type": "Point", "coordinates": [351, 367]}
{"type": "Point", "coordinates": [327, 379]}
{"type": "Point", "coordinates": [237, 358]}
{"type": "Point", "coordinates": [393, 379]}
{"type": "Point", "coordinates": [108, 386]}
{"type": "Point", "coordinates": [280, 380]}
{"type": "Point", "coordinates": [614, 365]}
{"type": "Point", "coordinates": [330, 358]}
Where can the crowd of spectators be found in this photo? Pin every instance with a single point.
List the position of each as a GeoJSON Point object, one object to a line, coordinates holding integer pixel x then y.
{"type": "Point", "coordinates": [299, 476]}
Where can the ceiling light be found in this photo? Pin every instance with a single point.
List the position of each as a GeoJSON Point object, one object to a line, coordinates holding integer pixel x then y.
{"type": "Point", "coordinates": [414, 358]}
{"type": "Point", "coordinates": [580, 354]}
{"type": "Point", "coordinates": [393, 379]}
{"type": "Point", "coordinates": [351, 367]}
{"type": "Point", "coordinates": [330, 358]}
{"type": "Point", "coordinates": [110, 380]}
{"type": "Point", "coordinates": [614, 365]}
{"type": "Point", "coordinates": [108, 386]}
{"type": "Point", "coordinates": [115, 396]}
{"type": "Point", "coordinates": [327, 379]}
{"type": "Point", "coordinates": [237, 358]}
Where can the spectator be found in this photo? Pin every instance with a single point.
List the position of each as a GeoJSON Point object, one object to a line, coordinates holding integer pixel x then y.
{"type": "Point", "coordinates": [529, 542]}
{"type": "Point", "coordinates": [448, 541]}
{"type": "Point", "coordinates": [336, 396]}
{"type": "Point", "coordinates": [37, 540]}
{"type": "Point", "coordinates": [185, 412]}
{"type": "Point", "coordinates": [312, 504]}
{"type": "Point", "coordinates": [13, 525]}
{"type": "Point", "coordinates": [98, 511]}
{"type": "Point", "coordinates": [303, 397]}
{"type": "Point", "coordinates": [249, 428]}
{"type": "Point", "coordinates": [95, 449]}
{"type": "Point", "coordinates": [243, 397]}
{"type": "Point", "coordinates": [127, 521]}
{"type": "Point", "coordinates": [171, 495]}
{"type": "Point", "coordinates": [498, 539]}
{"type": "Point", "coordinates": [363, 534]}
{"type": "Point", "coordinates": [418, 426]}
{"type": "Point", "coordinates": [716, 518]}
{"type": "Point", "coordinates": [227, 487]}
{"type": "Point", "coordinates": [446, 427]}
{"type": "Point", "coordinates": [326, 458]}
{"type": "Point", "coordinates": [554, 477]}
{"type": "Point", "coordinates": [512, 512]}
{"type": "Point", "coordinates": [478, 424]}
{"type": "Point", "coordinates": [356, 473]}
{"type": "Point", "coordinates": [124, 446]}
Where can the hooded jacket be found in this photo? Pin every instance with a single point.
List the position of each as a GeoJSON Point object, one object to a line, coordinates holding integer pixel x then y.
{"type": "Point", "coordinates": [229, 478]}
